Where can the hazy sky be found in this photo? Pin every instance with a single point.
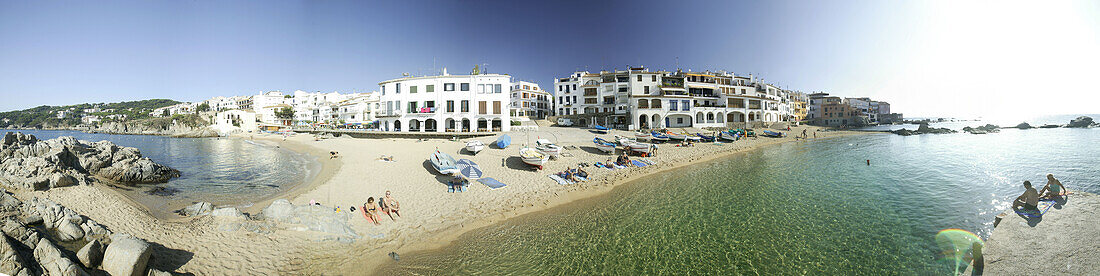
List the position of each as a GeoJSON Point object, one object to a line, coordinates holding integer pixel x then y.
{"type": "Point", "coordinates": [928, 58]}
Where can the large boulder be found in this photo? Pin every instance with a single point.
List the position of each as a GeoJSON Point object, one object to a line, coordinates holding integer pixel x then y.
{"type": "Point", "coordinates": [20, 233]}
{"type": "Point", "coordinates": [312, 217]}
{"type": "Point", "coordinates": [986, 129]}
{"type": "Point", "coordinates": [11, 262]}
{"type": "Point", "coordinates": [1024, 125]}
{"type": "Point", "coordinates": [29, 163]}
{"type": "Point", "coordinates": [69, 231]}
{"type": "Point", "coordinates": [91, 254]}
{"type": "Point", "coordinates": [126, 255]}
{"type": "Point", "coordinates": [1083, 121]}
{"type": "Point", "coordinates": [53, 262]}
{"type": "Point", "coordinates": [227, 212]}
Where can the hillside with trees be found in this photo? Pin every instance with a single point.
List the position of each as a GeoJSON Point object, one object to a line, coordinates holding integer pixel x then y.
{"type": "Point", "coordinates": [69, 115]}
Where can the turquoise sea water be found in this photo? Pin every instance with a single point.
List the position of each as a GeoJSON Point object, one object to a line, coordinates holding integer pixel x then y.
{"type": "Point", "coordinates": [810, 208]}
{"type": "Point", "coordinates": [219, 171]}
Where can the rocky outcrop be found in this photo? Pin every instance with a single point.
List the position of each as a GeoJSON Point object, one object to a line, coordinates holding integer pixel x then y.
{"type": "Point", "coordinates": [126, 255]}
{"type": "Point", "coordinates": [1024, 125]}
{"type": "Point", "coordinates": [91, 254]}
{"type": "Point", "coordinates": [24, 250]}
{"type": "Point", "coordinates": [29, 163]}
{"type": "Point", "coordinates": [986, 129]}
{"type": "Point", "coordinates": [923, 129]}
{"type": "Point", "coordinates": [53, 262]}
{"type": "Point", "coordinates": [1050, 126]}
{"type": "Point", "coordinates": [159, 126]}
{"type": "Point", "coordinates": [1081, 122]}
{"type": "Point", "coordinates": [312, 217]}
{"type": "Point", "coordinates": [200, 208]}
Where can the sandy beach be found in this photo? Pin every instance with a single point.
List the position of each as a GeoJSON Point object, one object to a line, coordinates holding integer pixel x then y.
{"type": "Point", "coordinates": [431, 216]}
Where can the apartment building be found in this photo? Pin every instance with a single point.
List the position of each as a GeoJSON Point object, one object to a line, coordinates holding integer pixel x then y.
{"type": "Point", "coordinates": [360, 109]}
{"type": "Point", "coordinates": [446, 103]}
{"type": "Point", "coordinates": [529, 100]}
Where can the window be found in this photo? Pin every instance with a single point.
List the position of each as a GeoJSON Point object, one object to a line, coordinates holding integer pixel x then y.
{"type": "Point", "coordinates": [451, 106]}
{"type": "Point", "coordinates": [526, 87]}
{"type": "Point", "coordinates": [679, 121]}
{"type": "Point", "coordinates": [654, 78]}
{"type": "Point", "coordinates": [574, 87]}
{"type": "Point", "coordinates": [496, 106]}
{"type": "Point", "coordinates": [559, 88]}
{"type": "Point", "coordinates": [412, 107]}
{"type": "Point", "coordinates": [672, 105]}
{"type": "Point", "coordinates": [647, 89]}
{"type": "Point", "coordinates": [448, 87]}
{"type": "Point", "coordinates": [465, 105]}
{"type": "Point", "coordinates": [622, 89]}
{"type": "Point", "coordinates": [383, 89]}
{"type": "Point", "coordinates": [525, 95]}
{"type": "Point", "coordinates": [480, 88]}
{"type": "Point", "coordinates": [687, 105]}
{"type": "Point", "coordinates": [412, 89]}
{"type": "Point", "coordinates": [429, 88]}
{"type": "Point", "coordinates": [464, 87]}
{"type": "Point", "coordinates": [639, 77]}
{"type": "Point", "coordinates": [655, 104]}
{"type": "Point", "coordinates": [574, 98]}
{"type": "Point", "coordinates": [590, 100]}
{"type": "Point", "coordinates": [482, 107]}
{"type": "Point", "coordinates": [643, 103]}
{"type": "Point", "coordinates": [398, 90]}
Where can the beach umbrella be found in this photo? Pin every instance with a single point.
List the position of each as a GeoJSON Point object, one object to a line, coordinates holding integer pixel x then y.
{"type": "Point", "coordinates": [468, 168]}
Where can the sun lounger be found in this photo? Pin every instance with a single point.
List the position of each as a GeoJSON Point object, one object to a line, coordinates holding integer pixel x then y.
{"type": "Point", "coordinates": [492, 183]}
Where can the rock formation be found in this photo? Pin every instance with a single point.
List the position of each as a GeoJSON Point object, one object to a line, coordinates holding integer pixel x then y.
{"type": "Point", "coordinates": [1024, 125]}
{"type": "Point", "coordinates": [29, 163]}
{"type": "Point", "coordinates": [1079, 122]}
{"type": "Point", "coordinates": [986, 129]}
{"type": "Point", "coordinates": [923, 129]}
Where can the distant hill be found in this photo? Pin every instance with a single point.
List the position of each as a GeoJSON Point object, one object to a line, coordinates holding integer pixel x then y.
{"type": "Point", "coordinates": [69, 115]}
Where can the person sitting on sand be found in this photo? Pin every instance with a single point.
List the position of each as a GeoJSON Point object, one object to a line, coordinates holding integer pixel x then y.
{"type": "Point", "coordinates": [1053, 188]}
{"type": "Point", "coordinates": [623, 160]}
{"type": "Point", "coordinates": [582, 173]}
{"type": "Point", "coordinates": [371, 209]}
{"type": "Point", "coordinates": [1029, 200]}
{"type": "Point", "coordinates": [458, 183]}
{"type": "Point", "coordinates": [569, 175]}
{"type": "Point", "coordinates": [390, 206]}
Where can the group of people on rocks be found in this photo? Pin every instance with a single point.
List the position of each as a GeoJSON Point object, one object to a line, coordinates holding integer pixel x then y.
{"type": "Point", "coordinates": [1029, 200]}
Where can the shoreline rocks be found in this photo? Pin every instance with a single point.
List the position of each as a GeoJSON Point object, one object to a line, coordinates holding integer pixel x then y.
{"type": "Point", "coordinates": [1024, 125]}
{"type": "Point", "coordinates": [1081, 122]}
{"type": "Point", "coordinates": [986, 129]}
{"type": "Point", "coordinates": [29, 163]}
{"type": "Point", "coordinates": [923, 129]}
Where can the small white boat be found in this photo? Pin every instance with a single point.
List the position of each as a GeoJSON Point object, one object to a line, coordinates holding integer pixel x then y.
{"type": "Point", "coordinates": [634, 145]}
{"type": "Point", "coordinates": [533, 157]}
{"type": "Point", "coordinates": [545, 146]}
{"type": "Point", "coordinates": [443, 163]}
{"type": "Point", "coordinates": [475, 146]}
{"type": "Point", "coordinates": [725, 135]}
{"type": "Point", "coordinates": [692, 137]}
{"type": "Point", "coordinates": [604, 145]}
{"type": "Point", "coordinates": [643, 135]}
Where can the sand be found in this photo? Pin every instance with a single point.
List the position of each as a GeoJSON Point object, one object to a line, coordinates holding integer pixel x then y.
{"type": "Point", "coordinates": [431, 217]}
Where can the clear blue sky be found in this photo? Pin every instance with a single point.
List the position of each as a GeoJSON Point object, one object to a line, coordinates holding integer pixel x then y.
{"type": "Point", "coordinates": [926, 57]}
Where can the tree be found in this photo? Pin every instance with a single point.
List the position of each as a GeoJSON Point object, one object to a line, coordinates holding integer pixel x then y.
{"type": "Point", "coordinates": [284, 113]}
{"type": "Point", "coordinates": [166, 113]}
{"type": "Point", "coordinates": [203, 107]}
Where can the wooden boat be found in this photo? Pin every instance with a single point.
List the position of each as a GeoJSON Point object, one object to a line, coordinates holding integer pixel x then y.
{"type": "Point", "coordinates": [727, 135]}
{"type": "Point", "coordinates": [676, 136]}
{"type": "Point", "coordinates": [604, 145]}
{"type": "Point", "coordinates": [545, 146]}
{"type": "Point", "coordinates": [633, 145]}
{"type": "Point", "coordinates": [601, 129]}
{"type": "Point", "coordinates": [504, 141]}
{"type": "Point", "coordinates": [659, 137]}
{"type": "Point", "coordinates": [705, 138]}
{"type": "Point", "coordinates": [474, 146]}
{"type": "Point", "coordinates": [643, 135]}
{"type": "Point", "coordinates": [691, 137]}
{"type": "Point", "coordinates": [443, 163]}
{"type": "Point", "coordinates": [772, 134]}
{"type": "Point", "coordinates": [533, 157]}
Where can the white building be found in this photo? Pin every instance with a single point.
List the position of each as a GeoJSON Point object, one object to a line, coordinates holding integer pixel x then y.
{"type": "Point", "coordinates": [180, 108]}
{"type": "Point", "coordinates": [89, 119]}
{"type": "Point", "coordinates": [359, 109]}
{"type": "Point", "coordinates": [229, 103]}
{"type": "Point", "coordinates": [529, 100]}
{"type": "Point", "coordinates": [231, 119]}
{"type": "Point", "coordinates": [267, 103]}
{"type": "Point", "coordinates": [641, 99]}
{"type": "Point", "coordinates": [446, 103]}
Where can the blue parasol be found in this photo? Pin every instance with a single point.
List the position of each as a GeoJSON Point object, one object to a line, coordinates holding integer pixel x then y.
{"type": "Point", "coordinates": [468, 168]}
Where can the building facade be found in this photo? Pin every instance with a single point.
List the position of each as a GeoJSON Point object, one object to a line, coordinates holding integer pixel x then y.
{"type": "Point", "coordinates": [446, 103]}
{"type": "Point", "coordinates": [529, 100]}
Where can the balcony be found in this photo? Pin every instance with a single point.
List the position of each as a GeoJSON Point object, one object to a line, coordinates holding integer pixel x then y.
{"type": "Point", "coordinates": [673, 93]}
{"type": "Point", "coordinates": [709, 105]}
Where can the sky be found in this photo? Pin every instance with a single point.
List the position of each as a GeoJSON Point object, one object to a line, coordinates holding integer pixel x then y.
{"type": "Point", "coordinates": [927, 58]}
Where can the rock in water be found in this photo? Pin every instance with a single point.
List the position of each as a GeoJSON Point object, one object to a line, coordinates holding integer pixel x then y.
{"type": "Point", "coordinates": [51, 260]}
{"type": "Point", "coordinates": [1083, 121]}
{"type": "Point", "coordinates": [29, 163]}
{"type": "Point", "coordinates": [1024, 125]}
{"type": "Point", "coordinates": [126, 255]}
{"type": "Point", "coordinates": [91, 254]}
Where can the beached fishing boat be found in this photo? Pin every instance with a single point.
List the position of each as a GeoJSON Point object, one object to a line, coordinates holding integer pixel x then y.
{"type": "Point", "coordinates": [727, 135]}
{"type": "Point", "coordinates": [533, 157]}
{"type": "Point", "coordinates": [545, 146]}
{"type": "Point", "coordinates": [691, 137]}
{"type": "Point", "coordinates": [643, 135]}
{"type": "Point", "coordinates": [504, 141]}
{"type": "Point", "coordinates": [705, 138]}
{"type": "Point", "coordinates": [604, 145]}
{"type": "Point", "coordinates": [601, 129]}
{"type": "Point", "coordinates": [474, 146]}
{"type": "Point", "coordinates": [658, 137]}
{"type": "Point", "coordinates": [772, 134]}
{"type": "Point", "coordinates": [676, 136]}
{"type": "Point", "coordinates": [633, 145]}
{"type": "Point", "coordinates": [443, 163]}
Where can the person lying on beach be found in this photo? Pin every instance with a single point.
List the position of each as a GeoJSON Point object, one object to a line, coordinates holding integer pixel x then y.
{"type": "Point", "coordinates": [390, 206]}
{"type": "Point", "coordinates": [1053, 188]}
{"type": "Point", "coordinates": [371, 209]}
{"type": "Point", "coordinates": [1029, 200]}
{"type": "Point", "coordinates": [386, 158]}
{"type": "Point", "coordinates": [580, 172]}
{"type": "Point", "coordinates": [333, 154]}
{"type": "Point", "coordinates": [569, 175]}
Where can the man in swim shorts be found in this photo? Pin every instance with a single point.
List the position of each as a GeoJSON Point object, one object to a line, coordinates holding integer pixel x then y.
{"type": "Point", "coordinates": [1029, 200]}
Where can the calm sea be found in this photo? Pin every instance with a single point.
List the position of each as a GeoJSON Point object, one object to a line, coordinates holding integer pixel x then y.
{"type": "Point", "coordinates": [215, 170]}
{"type": "Point", "coordinates": [798, 208]}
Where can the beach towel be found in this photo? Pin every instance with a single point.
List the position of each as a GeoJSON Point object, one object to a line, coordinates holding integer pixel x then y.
{"type": "Point", "coordinates": [492, 183]}
{"type": "Point", "coordinates": [1044, 206]}
{"type": "Point", "coordinates": [363, 211]}
{"type": "Point", "coordinates": [583, 179]}
{"type": "Point", "coordinates": [561, 181]}
{"type": "Point", "coordinates": [638, 163]}
{"type": "Point", "coordinates": [647, 161]}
